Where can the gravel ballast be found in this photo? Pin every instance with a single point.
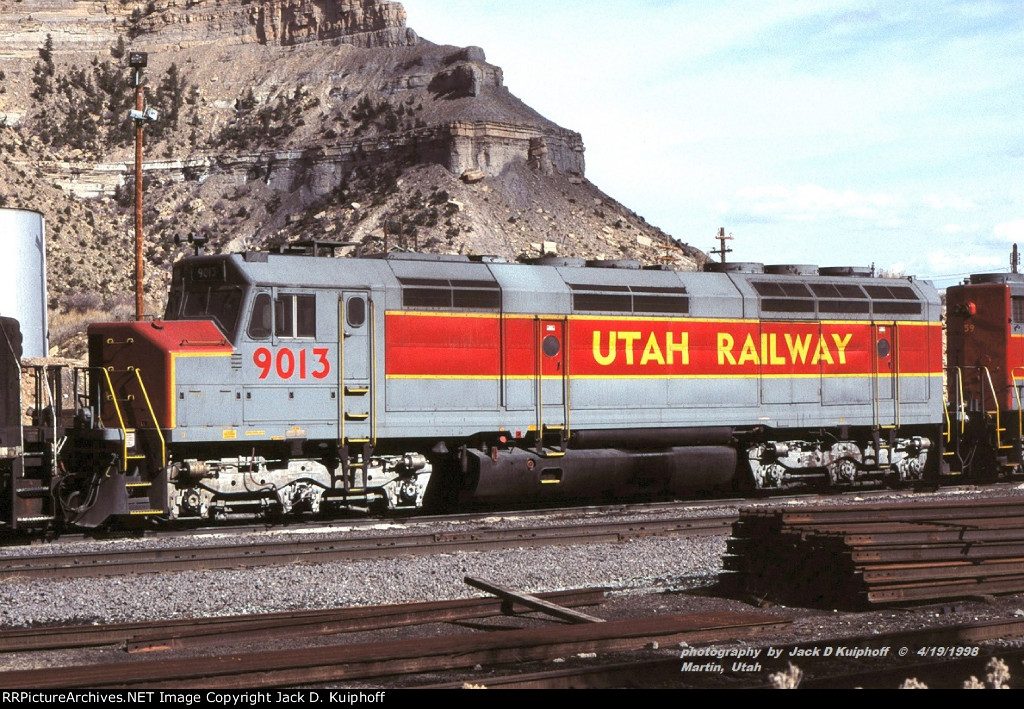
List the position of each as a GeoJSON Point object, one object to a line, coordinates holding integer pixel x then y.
{"type": "Point", "coordinates": [649, 564]}
{"type": "Point", "coordinates": [646, 576]}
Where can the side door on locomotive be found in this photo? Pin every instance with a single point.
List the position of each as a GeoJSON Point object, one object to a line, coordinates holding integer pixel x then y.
{"type": "Point", "coordinates": [356, 409]}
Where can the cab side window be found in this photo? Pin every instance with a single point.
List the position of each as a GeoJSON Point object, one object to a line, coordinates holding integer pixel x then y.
{"type": "Point", "coordinates": [260, 320]}
{"type": "Point", "coordinates": [355, 312]}
{"type": "Point", "coordinates": [1017, 309]}
{"type": "Point", "coordinates": [295, 315]}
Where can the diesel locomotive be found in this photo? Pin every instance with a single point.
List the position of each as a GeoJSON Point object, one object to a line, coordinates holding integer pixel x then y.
{"type": "Point", "coordinates": [282, 382]}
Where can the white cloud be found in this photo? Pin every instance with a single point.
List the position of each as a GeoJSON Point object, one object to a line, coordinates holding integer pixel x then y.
{"type": "Point", "coordinates": [1010, 232]}
{"type": "Point", "coordinates": [814, 202]}
{"type": "Point", "coordinates": [893, 127]}
{"type": "Point", "coordinates": [953, 202]}
{"type": "Point", "coordinates": [946, 262]}
{"type": "Point", "coordinates": [960, 229]}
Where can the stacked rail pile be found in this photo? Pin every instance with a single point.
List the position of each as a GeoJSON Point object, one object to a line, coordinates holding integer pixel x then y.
{"type": "Point", "coordinates": [853, 557]}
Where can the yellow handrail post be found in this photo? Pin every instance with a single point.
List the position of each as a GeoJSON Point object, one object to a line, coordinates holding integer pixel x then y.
{"type": "Point", "coordinates": [961, 405]}
{"type": "Point", "coordinates": [156, 424]}
{"type": "Point", "coordinates": [1016, 394]}
{"type": "Point", "coordinates": [120, 420]}
{"type": "Point", "coordinates": [996, 410]}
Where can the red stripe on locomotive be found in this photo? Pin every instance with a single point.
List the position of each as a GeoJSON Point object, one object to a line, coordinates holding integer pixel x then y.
{"type": "Point", "coordinates": [444, 346]}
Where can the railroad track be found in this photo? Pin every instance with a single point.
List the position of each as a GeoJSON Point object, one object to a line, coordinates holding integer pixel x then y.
{"type": "Point", "coordinates": [345, 547]}
{"type": "Point", "coordinates": [184, 529]}
{"type": "Point", "coordinates": [616, 654]}
{"type": "Point", "coordinates": [177, 634]}
{"type": "Point", "coordinates": [314, 665]}
{"type": "Point", "coordinates": [340, 540]}
{"type": "Point", "coordinates": [351, 524]}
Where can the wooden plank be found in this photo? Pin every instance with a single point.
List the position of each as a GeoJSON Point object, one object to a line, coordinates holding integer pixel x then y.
{"type": "Point", "coordinates": [532, 602]}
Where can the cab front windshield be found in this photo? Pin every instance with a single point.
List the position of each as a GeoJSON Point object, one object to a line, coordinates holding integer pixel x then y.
{"type": "Point", "coordinates": [218, 303]}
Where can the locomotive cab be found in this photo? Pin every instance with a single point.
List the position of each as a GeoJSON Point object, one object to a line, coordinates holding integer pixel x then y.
{"type": "Point", "coordinates": [251, 395]}
{"type": "Point", "coordinates": [985, 373]}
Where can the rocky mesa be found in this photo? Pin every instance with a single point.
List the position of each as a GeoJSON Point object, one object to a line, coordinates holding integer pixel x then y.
{"type": "Point", "coordinates": [281, 120]}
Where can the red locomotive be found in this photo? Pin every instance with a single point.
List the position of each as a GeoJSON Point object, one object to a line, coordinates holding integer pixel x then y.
{"type": "Point", "coordinates": [985, 374]}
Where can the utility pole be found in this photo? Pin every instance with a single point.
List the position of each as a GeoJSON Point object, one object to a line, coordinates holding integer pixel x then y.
{"type": "Point", "coordinates": [137, 61]}
{"type": "Point", "coordinates": [722, 250]}
{"type": "Point", "coordinates": [1014, 260]}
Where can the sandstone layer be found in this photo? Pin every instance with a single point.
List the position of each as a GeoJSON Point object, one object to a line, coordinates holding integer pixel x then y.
{"type": "Point", "coordinates": [164, 25]}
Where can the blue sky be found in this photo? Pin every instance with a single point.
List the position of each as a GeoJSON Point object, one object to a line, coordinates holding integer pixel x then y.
{"type": "Point", "coordinates": [849, 132]}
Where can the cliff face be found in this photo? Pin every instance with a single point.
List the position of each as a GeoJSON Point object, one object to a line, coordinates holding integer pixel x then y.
{"type": "Point", "coordinates": [283, 120]}
{"type": "Point", "coordinates": [82, 25]}
{"type": "Point", "coordinates": [75, 25]}
{"type": "Point", "coordinates": [461, 147]}
{"type": "Point", "coordinates": [363, 23]}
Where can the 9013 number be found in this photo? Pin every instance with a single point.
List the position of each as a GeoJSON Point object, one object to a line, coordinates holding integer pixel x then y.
{"type": "Point", "coordinates": [289, 363]}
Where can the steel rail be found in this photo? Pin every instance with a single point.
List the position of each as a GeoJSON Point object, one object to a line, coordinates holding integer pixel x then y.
{"type": "Point", "coordinates": [198, 632]}
{"type": "Point", "coordinates": [345, 548]}
{"type": "Point", "coordinates": [310, 666]}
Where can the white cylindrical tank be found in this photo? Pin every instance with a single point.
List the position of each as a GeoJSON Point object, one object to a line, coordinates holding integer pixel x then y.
{"type": "Point", "coordinates": [23, 276]}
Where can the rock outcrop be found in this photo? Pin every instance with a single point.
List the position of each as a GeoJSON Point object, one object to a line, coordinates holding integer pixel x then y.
{"type": "Point", "coordinates": [283, 120]}
{"type": "Point", "coordinates": [278, 22]}
{"type": "Point", "coordinates": [83, 25]}
{"type": "Point", "coordinates": [74, 25]}
{"type": "Point", "coordinates": [484, 147]}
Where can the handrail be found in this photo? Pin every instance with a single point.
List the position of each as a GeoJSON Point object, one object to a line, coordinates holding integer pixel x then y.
{"type": "Point", "coordinates": [896, 367]}
{"type": "Point", "coordinates": [995, 401]}
{"type": "Point", "coordinates": [120, 419]}
{"type": "Point", "coordinates": [566, 384]}
{"type": "Point", "coordinates": [875, 409]}
{"type": "Point", "coordinates": [341, 372]}
{"type": "Point", "coordinates": [538, 330]}
{"type": "Point", "coordinates": [1016, 394]}
{"type": "Point", "coordinates": [373, 371]}
{"type": "Point", "coordinates": [156, 424]}
{"type": "Point", "coordinates": [962, 404]}
{"type": "Point", "coordinates": [992, 388]}
{"type": "Point", "coordinates": [892, 373]}
{"type": "Point", "coordinates": [204, 343]}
